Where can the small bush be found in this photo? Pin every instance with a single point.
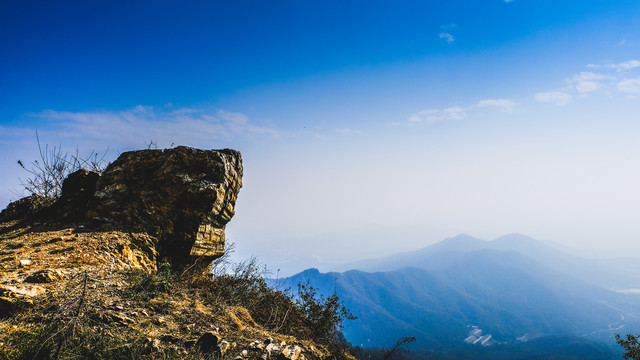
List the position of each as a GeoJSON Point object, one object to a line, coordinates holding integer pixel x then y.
{"type": "Point", "coordinates": [243, 284]}
{"type": "Point", "coordinates": [324, 316]}
{"type": "Point", "coordinates": [78, 326]}
{"type": "Point", "coordinates": [146, 286]}
{"type": "Point", "coordinates": [631, 346]}
{"type": "Point", "coordinates": [47, 174]}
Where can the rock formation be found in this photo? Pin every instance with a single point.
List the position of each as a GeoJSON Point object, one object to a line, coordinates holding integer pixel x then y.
{"type": "Point", "coordinates": [81, 276]}
{"type": "Point", "coordinates": [27, 207]}
{"type": "Point", "coordinates": [182, 196]}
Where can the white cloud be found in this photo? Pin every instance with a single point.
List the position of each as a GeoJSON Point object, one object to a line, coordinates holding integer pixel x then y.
{"type": "Point", "coordinates": [581, 85]}
{"type": "Point", "coordinates": [447, 37]}
{"type": "Point", "coordinates": [503, 105]}
{"type": "Point", "coordinates": [587, 82]}
{"type": "Point", "coordinates": [181, 126]}
{"type": "Point", "coordinates": [558, 98]}
{"type": "Point", "coordinates": [446, 33]}
{"type": "Point", "coordinates": [431, 116]}
{"type": "Point", "coordinates": [435, 115]}
{"type": "Point", "coordinates": [626, 65]}
{"type": "Point", "coordinates": [235, 119]}
{"type": "Point", "coordinates": [621, 66]}
{"type": "Point", "coordinates": [629, 86]}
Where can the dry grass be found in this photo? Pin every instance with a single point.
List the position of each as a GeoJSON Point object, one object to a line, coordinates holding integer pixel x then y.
{"type": "Point", "coordinates": [113, 302]}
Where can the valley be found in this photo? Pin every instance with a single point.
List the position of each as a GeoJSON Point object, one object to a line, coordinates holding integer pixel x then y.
{"type": "Point", "coordinates": [470, 296]}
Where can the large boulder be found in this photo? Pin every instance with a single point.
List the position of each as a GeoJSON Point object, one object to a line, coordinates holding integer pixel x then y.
{"type": "Point", "coordinates": [183, 196]}
{"type": "Point", "coordinates": [77, 192]}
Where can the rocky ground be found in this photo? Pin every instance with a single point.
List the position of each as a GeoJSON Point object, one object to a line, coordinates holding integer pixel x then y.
{"type": "Point", "coordinates": [63, 285]}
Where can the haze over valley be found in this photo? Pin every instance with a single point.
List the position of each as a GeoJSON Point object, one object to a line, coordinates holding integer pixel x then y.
{"type": "Point", "coordinates": [513, 297]}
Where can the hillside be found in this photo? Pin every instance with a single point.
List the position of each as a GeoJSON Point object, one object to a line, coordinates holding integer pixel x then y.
{"type": "Point", "coordinates": [463, 299]}
{"type": "Point", "coordinates": [119, 267]}
{"type": "Point", "coordinates": [64, 286]}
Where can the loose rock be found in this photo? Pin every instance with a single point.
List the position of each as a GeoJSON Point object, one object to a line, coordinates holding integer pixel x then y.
{"type": "Point", "coordinates": [44, 276]}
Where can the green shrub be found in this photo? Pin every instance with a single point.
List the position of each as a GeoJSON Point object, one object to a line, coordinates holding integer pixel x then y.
{"type": "Point", "coordinates": [323, 315]}
{"type": "Point", "coordinates": [146, 286]}
{"type": "Point", "coordinates": [631, 346]}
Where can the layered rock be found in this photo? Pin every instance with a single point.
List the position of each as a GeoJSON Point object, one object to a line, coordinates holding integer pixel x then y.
{"type": "Point", "coordinates": [27, 207]}
{"type": "Point", "coordinates": [184, 196]}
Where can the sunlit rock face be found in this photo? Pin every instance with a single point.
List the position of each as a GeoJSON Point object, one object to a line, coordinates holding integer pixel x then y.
{"type": "Point", "coordinates": [183, 196]}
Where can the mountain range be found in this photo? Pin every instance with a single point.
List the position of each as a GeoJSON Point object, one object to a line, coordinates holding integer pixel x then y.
{"type": "Point", "coordinates": [469, 298]}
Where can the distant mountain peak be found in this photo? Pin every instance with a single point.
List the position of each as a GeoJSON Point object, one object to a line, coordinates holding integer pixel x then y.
{"type": "Point", "coordinates": [461, 242]}
{"type": "Point", "coordinates": [515, 237]}
{"type": "Point", "coordinates": [461, 239]}
{"type": "Point", "coordinates": [462, 236]}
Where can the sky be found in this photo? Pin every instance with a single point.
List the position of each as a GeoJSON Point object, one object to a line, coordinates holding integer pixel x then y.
{"type": "Point", "coordinates": [366, 127]}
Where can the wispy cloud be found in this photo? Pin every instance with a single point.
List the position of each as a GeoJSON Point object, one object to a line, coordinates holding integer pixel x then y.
{"type": "Point", "coordinates": [447, 37]}
{"type": "Point", "coordinates": [446, 33]}
{"type": "Point", "coordinates": [435, 115]}
{"type": "Point", "coordinates": [586, 82]}
{"type": "Point", "coordinates": [10, 132]}
{"type": "Point", "coordinates": [558, 98]}
{"type": "Point", "coordinates": [621, 66]}
{"type": "Point", "coordinates": [503, 105]}
{"type": "Point", "coordinates": [630, 87]}
{"type": "Point", "coordinates": [179, 125]}
{"type": "Point", "coordinates": [431, 116]}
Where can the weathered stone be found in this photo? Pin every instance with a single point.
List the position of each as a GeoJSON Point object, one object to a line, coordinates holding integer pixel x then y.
{"type": "Point", "coordinates": [291, 352]}
{"type": "Point", "coordinates": [223, 346]}
{"type": "Point", "coordinates": [26, 208]}
{"type": "Point", "coordinates": [22, 291]}
{"type": "Point", "coordinates": [24, 262]}
{"type": "Point", "coordinates": [44, 276]}
{"type": "Point", "coordinates": [184, 196]}
{"type": "Point", "coordinates": [77, 190]}
{"type": "Point", "coordinates": [272, 348]}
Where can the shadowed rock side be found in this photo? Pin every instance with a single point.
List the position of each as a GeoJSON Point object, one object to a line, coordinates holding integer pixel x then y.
{"type": "Point", "coordinates": [184, 196]}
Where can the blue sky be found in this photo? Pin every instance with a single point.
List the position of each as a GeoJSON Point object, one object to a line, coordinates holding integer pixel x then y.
{"type": "Point", "coordinates": [429, 118]}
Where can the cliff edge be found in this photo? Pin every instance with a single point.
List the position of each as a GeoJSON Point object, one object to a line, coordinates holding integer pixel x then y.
{"type": "Point", "coordinates": [116, 268]}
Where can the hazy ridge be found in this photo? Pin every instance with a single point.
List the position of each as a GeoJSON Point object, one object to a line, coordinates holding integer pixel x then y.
{"type": "Point", "coordinates": [515, 288]}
